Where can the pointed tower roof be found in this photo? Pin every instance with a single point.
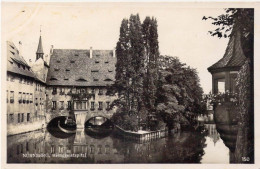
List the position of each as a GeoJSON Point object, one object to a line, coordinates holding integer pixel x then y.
{"type": "Point", "coordinates": [234, 56]}
{"type": "Point", "coordinates": [40, 49]}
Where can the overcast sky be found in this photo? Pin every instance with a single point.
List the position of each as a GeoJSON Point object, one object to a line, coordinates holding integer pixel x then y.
{"type": "Point", "coordinates": [181, 30]}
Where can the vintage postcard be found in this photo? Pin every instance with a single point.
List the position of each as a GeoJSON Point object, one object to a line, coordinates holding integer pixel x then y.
{"type": "Point", "coordinates": [129, 83]}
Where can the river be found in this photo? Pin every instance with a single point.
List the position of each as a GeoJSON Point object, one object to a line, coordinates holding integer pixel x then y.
{"type": "Point", "coordinates": [184, 147]}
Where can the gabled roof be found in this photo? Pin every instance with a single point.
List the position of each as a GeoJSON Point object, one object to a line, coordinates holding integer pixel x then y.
{"type": "Point", "coordinates": [16, 63]}
{"type": "Point", "coordinates": [233, 57]}
{"type": "Point", "coordinates": [40, 49]}
{"type": "Point", "coordinates": [74, 67]}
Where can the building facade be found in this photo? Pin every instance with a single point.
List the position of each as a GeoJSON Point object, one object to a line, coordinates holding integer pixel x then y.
{"type": "Point", "coordinates": [21, 84]}
{"type": "Point", "coordinates": [82, 73]}
{"type": "Point", "coordinates": [70, 82]}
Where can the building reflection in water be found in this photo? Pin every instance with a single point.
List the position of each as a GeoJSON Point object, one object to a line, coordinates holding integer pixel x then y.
{"type": "Point", "coordinates": [183, 147]}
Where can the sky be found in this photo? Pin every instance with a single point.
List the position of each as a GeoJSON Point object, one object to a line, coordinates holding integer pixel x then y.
{"type": "Point", "coordinates": [182, 32]}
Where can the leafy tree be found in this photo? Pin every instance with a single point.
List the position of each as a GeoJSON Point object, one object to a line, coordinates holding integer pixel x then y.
{"type": "Point", "coordinates": [179, 94]}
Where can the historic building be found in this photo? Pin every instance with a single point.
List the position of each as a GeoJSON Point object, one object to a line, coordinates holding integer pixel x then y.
{"type": "Point", "coordinates": [77, 84]}
{"type": "Point", "coordinates": [21, 84]}
{"type": "Point", "coordinates": [70, 82]}
{"type": "Point", "coordinates": [224, 72]}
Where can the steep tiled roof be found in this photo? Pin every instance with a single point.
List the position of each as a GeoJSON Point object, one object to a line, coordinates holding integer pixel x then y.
{"type": "Point", "coordinates": [40, 49]}
{"type": "Point", "coordinates": [16, 63]}
{"type": "Point", "coordinates": [233, 57]}
{"type": "Point", "coordinates": [72, 67]}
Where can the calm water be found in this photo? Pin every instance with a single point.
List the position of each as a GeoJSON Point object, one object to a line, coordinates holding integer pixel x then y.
{"type": "Point", "coordinates": [185, 147]}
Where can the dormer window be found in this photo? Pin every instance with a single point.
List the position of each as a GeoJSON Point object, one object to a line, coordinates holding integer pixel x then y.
{"type": "Point", "coordinates": [58, 61]}
{"type": "Point", "coordinates": [106, 62]}
{"type": "Point", "coordinates": [110, 71]}
{"type": "Point", "coordinates": [94, 70]}
{"type": "Point", "coordinates": [12, 52]}
{"type": "Point", "coordinates": [107, 79]}
{"type": "Point", "coordinates": [72, 61]}
{"type": "Point", "coordinates": [66, 79]}
{"type": "Point", "coordinates": [53, 78]}
{"type": "Point", "coordinates": [67, 70]}
{"type": "Point", "coordinates": [76, 54]}
{"type": "Point", "coordinates": [96, 61]}
{"type": "Point", "coordinates": [11, 46]}
{"type": "Point", "coordinates": [96, 80]}
{"type": "Point", "coordinates": [81, 79]}
{"type": "Point", "coordinates": [56, 69]}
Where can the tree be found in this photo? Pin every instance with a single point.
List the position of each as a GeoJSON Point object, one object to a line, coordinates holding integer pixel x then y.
{"type": "Point", "coordinates": [151, 44]}
{"type": "Point", "coordinates": [179, 94]}
{"type": "Point", "coordinates": [241, 20]}
{"type": "Point", "coordinates": [130, 70]}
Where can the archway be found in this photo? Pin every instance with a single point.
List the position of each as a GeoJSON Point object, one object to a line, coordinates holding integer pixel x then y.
{"type": "Point", "coordinates": [98, 127]}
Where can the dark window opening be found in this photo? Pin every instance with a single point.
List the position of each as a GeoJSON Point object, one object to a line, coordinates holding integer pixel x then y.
{"type": "Point", "coordinates": [96, 61]}
{"type": "Point", "coordinates": [72, 61]}
{"type": "Point", "coordinates": [95, 79]}
{"type": "Point", "coordinates": [94, 70]}
{"type": "Point", "coordinates": [107, 79]}
{"type": "Point", "coordinates": [81, 79]}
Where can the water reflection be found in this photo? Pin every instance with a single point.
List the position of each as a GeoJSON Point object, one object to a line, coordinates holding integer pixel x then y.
{"type": "Point", "coordinates": [184, 147]}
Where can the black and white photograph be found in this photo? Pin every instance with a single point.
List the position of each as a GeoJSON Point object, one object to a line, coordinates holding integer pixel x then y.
{"type": "Point", "coordinates": [128, 83]}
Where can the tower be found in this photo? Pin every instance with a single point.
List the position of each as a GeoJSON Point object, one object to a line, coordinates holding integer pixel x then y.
{"type": "Point", "coordinates": [39, 52]}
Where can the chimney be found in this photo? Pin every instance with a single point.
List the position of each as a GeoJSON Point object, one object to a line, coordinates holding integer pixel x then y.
{"type": "Point", "coordinates": [20, 48]}
{"type": "Point", "coordinates": [114, 52]}
{"type": "Point", "coordinates": [51, 51]}
{"type": "Point", "coordinates": [90, 52]}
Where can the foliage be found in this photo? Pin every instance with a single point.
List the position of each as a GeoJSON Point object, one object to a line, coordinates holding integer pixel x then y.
{"type": "Point", "coordinates": [243, 18]}
{"type": "Point", "coordinates": [179, 95]}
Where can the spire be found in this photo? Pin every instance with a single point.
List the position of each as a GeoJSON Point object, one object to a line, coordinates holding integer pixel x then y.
{"type": "Point", "coordinates": [39, 52]}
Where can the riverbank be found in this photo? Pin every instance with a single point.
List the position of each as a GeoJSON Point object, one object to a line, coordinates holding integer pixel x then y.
{"type": "Point", "coordinates": [140, 136]}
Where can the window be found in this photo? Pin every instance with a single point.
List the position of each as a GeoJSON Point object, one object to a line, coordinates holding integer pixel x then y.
{"type": "Point", "coordinates": [108, 104]}
{"type": "Point", "coordinates": [11, 96]}
{"type": "Point", "coordinates": [22, 118]}
{"type": "Point", "coordinates": [84, 105]}
{"type": "Point", "coordinates": [96, 61]}
{"type": "Point", "coordinates": [12, 78]}
{"type": "Point", "coordinates": [100, 92]}
{"type": "Point", "coordinates": [20, 97]}
{"type": "Point", "coordinates": [28, 116]}
{"type": "Point", "coordinates": [96, 80]}
{"type": "Point", "coordinates": [78, 105]}
{"type": "Point", "coordinates": [31, 97]}
{"type": "Point", "coordinates": [94, 70]}
{"type": "Point", "coordinates": [62, 91]}
{"type": "Point", "coordinates": [106, 62]}
{"type": "Point", "coordinates": [54, 105]}
{"type": "Point", "coordinates": [7, 97]}
{"type": "Point", "coordinates": [92, 106]}
{"type": "Point", "coordinates": [20, 80]}
{"type": "Point", "coordinates": [52, 149]}
{"type": "Point", "coordinates": [92, 149]}
{"type": "Point", "coordinates": [100, 105]}
{"type": "Point", "coordinates": [24, 82]}
{"type": "Point", "coordinates": [11, 118]}
{"type": "Point", "coordinates": [69, 105]}
{"type": "Point", "coordinates": [93, 91]}
{"type": "Point", "coordinates": [61, 104]}
{"type": "Point", "coordinates": [54, 90]}
{"type": "Point", "coordinates": [18, 118]}
{"type": "Point", "coordinates": [221, 85]}
{"type": "Point", "coordinates": [72, 61]}
{"type": "Point", "coordinates": [67, 70]}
